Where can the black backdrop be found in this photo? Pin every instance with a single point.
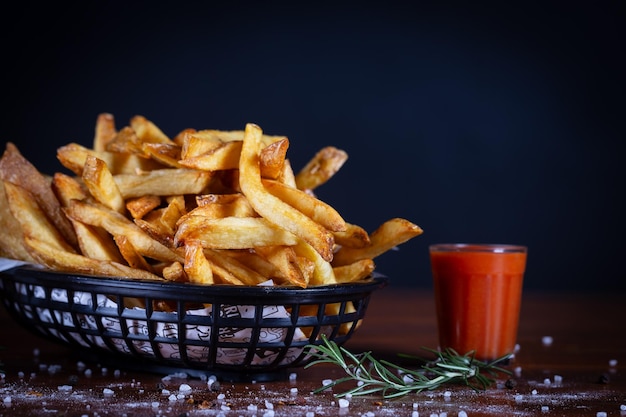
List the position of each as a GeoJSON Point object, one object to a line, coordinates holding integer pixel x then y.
{"type": "Point", "coordinates": [481, 123]}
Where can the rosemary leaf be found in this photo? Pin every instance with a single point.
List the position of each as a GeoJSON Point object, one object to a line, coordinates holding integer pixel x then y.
{"type": "Point", "coordinates": [392, 381]}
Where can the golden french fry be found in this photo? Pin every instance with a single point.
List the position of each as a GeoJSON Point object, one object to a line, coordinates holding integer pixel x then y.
{"type": "Point", "coordinates": [197, 267]}
{"type": "Point", "coordinates": [105, 131]}
{"type": "Point", "coordinates": [316, 209]}
{"type": "Point", "coordinates": [163, 182]}
{"type": "Point", "coordinates": [165, 153]}
{"type": "Point", "coordinates": [60, 260]}
{"type": "Point", "coordinates": [93, 242]}
{"type": "Point", "coordinates": [356, 271]}
{"type": "Point", "coordinates": [223, 205]}
{"type": "Point", "coordinates": [272, 159]}
{"type": "Point", "coordinates": [138, 207]}
{"type": "Point", "coordinates": [101, 185]}
{"type": "Point", "coordinates": [117, 224]}
{"type": "Point", "coordinates": [147, 131]}
{"type": "Point", "coordinates": [285, 259]}
{"type": "Point", "coordinates": [223, 157]}
{"type": "Point", "coordinates": [73, 156]}
{"type": "Point", "coordinates": [16, 169]}
{"type": "Point", "coordinates": [130, 254]}
{"type": "Point", "coordinates": [388, 235]}
{"type": "Point", "coordinates": [175, 272]}
{"type": "Point", "coordinates": [272, 208]}
{"type": "Point", "coordinates": [12, 237]}
{"type": "Point", "coordinates": [321, 168]}
{"type": "Point", "coordinates": [231, 271]}
{"type": "Point", "coordinates": [32, 218]}
{"type": "Point", "coordinates": [231, 232]}
{"type": "Point", "coordinates": [354, 236]}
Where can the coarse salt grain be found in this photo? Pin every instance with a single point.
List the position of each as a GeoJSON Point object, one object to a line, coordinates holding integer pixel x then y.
{"type": "Point", "coordinates": [415, 414]}
{"type": "Point", "coordinates": [622, 407]}
{"type": "Point", "coordinates": [547, 340]}
{"type": "Point", "coordinates": [601, 414]}
{"type": "Point", "coordinates": [64, 388]}
{"type": "Point", "coordinates": [343, 403]}
{"type": "Point", "coordinates": [558, 379]}
{"type": "Point", "coordinates": [107, 392]}
{"type": "Point", "coordinates": [462, 413]}
{"type": "Point", "coordinates": [613, 362]}
{"type": "Point", "coordinates": [6, 400]}
{"type": "Point", "coordinates": [294, 391]}
{"type": "Point", "coordinates": [534, 392]}
{"type": "Point", "coordinates": [545, 408]}
{"type": "Point", "coordinates": [185, 388]}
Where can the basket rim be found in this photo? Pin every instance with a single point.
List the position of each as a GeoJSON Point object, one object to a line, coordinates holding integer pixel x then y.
{"type": "Point", "coordinates": [104, 283]}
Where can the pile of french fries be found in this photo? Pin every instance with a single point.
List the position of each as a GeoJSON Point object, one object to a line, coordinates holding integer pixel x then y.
{"type": "Point", "coordinates": [204, 207]}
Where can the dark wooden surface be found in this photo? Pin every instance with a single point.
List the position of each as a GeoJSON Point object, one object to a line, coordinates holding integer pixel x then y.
{"type": "Point", "coordinates": [588, 356]}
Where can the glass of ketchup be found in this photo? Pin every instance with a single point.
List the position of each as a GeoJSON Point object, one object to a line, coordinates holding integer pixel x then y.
{"type": "Point", "coordinates": [478, 293]}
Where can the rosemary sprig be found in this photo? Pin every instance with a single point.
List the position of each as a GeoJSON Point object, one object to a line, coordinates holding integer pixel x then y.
{"type": "Point", "coordinates": [374, 376]}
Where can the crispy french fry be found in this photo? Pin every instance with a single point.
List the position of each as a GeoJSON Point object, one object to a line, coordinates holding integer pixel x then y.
{"type": "Point", "coordinates": [356, 271]}
{"type": "Point", "coordinates": [12, 237]}
{"type": "Point", "coordinates": [101, 185]}
{"type": "Point", "coordinates": [105, 132]}
{"type": "Point", "coordinates": [138, 207]}
{"type": "Point", "coordinates": [316, 209]}
{"type": "Point", "coordinates": [388, 235]}
{"type": "Point", "coordinates": [62, 260]}
{"type": "Point", "coordinates": [16, 169]}
{"type": "Point", "coordinates": [163, 182]}
{"type": "Point", "coordinates": [117, 224]}
{"type": "Point", "coordinates": [231, 232]}
{"type": "Point", "coordinates": [272, 208]}
{"type": "Point", "coordinates": [321, 168]}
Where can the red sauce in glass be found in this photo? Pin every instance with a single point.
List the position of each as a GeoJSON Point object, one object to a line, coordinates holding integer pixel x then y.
{"type": "Point", "coordinates": [478, 300]}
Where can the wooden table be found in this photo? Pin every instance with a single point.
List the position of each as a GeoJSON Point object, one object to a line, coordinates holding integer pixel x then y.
{"type": "Point", "coordinates": [581, 373]}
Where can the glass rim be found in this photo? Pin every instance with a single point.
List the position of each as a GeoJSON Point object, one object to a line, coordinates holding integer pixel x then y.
{"type": "Point", "coordinates": [478, 247]}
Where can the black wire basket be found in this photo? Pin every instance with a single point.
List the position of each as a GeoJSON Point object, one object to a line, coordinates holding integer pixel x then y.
{"type": "Point", "coordinates": [235, 333]}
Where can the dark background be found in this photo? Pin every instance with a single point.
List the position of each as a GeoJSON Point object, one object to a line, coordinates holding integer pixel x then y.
{"type": "Point", "coordinates": [489, 122]}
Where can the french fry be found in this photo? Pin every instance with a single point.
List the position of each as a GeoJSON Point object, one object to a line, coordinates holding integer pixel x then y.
{"type": "Point", "coordinates": [323, 166]}
{"type": "Point", "coordinates": [60, 260]}
{"type": "Point", "coordinates": [356, 271]}
{"type": "Point", "coordinates": [12, 237]}
{"type": "Point", "coordinates": [163, 182]}
{"type": "Point", "coordinates": [16, 169]}
{"type": "Point", "coordinates": [391, 233]}
{"type": "Point", "coordinates": [105, 132]}
{"type": "Point", "coordinates": [231, 232]}
{"type": "Point", "coordinates": [101, 185]}
{"type": "Point", "coordinates": [117, 224]}
{"type": "Point", "coordinates": [33, 219]}
{"type": "Point", "coordinates": [271, 207]}
{"type": "Point", "coordinates": [317, 210]}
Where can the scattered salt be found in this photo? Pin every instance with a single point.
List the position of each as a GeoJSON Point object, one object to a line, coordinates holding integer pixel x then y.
{"type": "Point", "coordinates": [107, 392]}
{"type": "Point", "coordinates": [117, 373]}
{"type": "Point", "coordinates": [36, 352]}
{"type": "Point", "coordinates": [415, 405]}
{"type": "Point", "coordinates": [613, 362]}
{"type": "Point", "coordinates": [293, 376]}
{"type": "Point", "coordinates": [558, 379]}
{"type": "Point", "coordinates": [268, 413]}
{"type": "Point", "coordinates": [155, 404]}
{"type": "Point", "coordinates": [64, 388]}
{"type": "Point", "coordinates": [221, 396]}
{"type": "Point", "coordinates": [462, 414]}
{"type": "Point", "coordinates": [546, 381]}
{"type": "Point", "coordinates": [601, 414]}
{"type": "Point", "coordinates": [172, 398]}
{"type": "Point", "coordinates": [622, 407]}
{"type": "Point", "coordinates": [518, 398]}
{"type": "Point", "coordinates": [415, 414]}
{"type": "Point", "coordinates": [165, 392]}
{"type": "Point", "coordinates": [224, 407]}
{"type": "Point", "coordinates": [545, 408]}
{"type": "Point", "coordinates": [534, 392]}
{"type": "Point", "coordinates": [447, 394]}
{"type": "Point", "coordinates": [547, 340]}
{"type": "Point", "coordinates": [269, 405]}
{"type": "Point", "coordinates": [252, 407]}
{"type": "Point", "coordinates": [184, 388]}
{"type": "Point", "coordinates": [294, 391]}
{"type": "Point", "coordinates": [20, 375]}
{"type": "Point", "coordinates": [310, 414]}
{"type": "Point", "coordinates": [343, 403]}
{"type": "Point", "coordinates": [6, 400]}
